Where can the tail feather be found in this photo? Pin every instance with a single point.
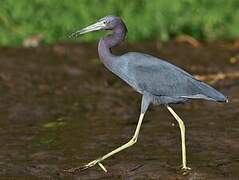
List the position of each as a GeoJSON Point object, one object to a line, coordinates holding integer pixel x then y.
{"type": "Point", "coordinates": [210, 92]}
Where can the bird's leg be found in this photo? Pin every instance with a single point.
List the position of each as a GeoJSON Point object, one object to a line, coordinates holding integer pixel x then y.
{"type": "Point", "coordinates": [182, 129]}
{"type": "Point", "coordinates": [98, 161]}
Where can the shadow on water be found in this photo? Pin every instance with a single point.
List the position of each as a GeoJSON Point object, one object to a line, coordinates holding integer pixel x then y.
{"type": "Point", "coordinates": [59, 108]}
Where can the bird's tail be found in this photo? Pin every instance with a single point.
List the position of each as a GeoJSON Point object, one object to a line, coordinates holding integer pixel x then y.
{"type": "Point", "coordinates": [211, 93]}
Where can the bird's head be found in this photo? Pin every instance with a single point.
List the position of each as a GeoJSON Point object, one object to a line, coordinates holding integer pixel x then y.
{"type": "Point", "coordinates": [106, 23]}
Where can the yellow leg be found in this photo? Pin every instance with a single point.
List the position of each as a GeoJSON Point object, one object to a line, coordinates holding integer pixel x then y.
{"type": "Point", "coordinates": [182, 129]}
{"type": "Point", "coordinates": [98, 161]}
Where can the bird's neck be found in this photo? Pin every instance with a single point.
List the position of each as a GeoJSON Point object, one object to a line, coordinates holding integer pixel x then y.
{"type": "Point", "coordinates": [109, 41]}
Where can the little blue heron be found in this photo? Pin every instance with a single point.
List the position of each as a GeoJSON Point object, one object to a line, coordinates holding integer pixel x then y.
{"type": "Point", "coordinates": [158, 81]}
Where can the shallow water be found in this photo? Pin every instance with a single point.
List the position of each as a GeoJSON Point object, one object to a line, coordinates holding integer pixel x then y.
{"type": "Point", "coordinates": [60, 108]}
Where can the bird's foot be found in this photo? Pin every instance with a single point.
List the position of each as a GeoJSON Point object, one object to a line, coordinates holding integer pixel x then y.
{"type": "Point", "coordinates": [82, 168]}
{"type": "Point", "coordinates": [185, 170]}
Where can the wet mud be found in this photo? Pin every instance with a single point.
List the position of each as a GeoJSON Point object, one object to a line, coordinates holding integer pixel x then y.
{"type": "Point", "coordinates": [60, 108]}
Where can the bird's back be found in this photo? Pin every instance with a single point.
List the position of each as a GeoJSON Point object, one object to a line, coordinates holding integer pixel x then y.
{"type": "Point", "coordinates": [162, 80]}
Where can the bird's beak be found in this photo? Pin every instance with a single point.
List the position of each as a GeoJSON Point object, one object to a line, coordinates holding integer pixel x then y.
{"type": "Point", "coordinates": [94, 27]}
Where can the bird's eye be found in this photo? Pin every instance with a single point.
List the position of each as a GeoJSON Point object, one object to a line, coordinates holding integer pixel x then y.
{"type": "Point", "coordinates": [105, 22]}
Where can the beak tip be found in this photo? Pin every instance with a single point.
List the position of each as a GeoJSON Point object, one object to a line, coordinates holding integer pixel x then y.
{"type": "Point", "coordinates": [94, 27]}
{"type": "Point", "coordinates": [73, 35]}
{"type": "Point", "coordinates": [70, 36]}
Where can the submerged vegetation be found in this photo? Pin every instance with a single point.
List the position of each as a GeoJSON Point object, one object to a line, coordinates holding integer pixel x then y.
{"type": "Point", "coordinates": [146, 20]}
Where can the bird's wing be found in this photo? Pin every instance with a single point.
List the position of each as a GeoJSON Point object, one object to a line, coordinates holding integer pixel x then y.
{"type": "Point", "coordinates": [159, 77]}
{"type": "Point", "coordinates": [149, 74]}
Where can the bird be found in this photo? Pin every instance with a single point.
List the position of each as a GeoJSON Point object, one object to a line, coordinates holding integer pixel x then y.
{"type": "Point", "coordinates": [158, 81]}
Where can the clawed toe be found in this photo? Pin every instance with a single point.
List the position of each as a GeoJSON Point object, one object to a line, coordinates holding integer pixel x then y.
{"type": "Point", "coordinates": [76, 169]}
{"type": "Point", "coordinates": [82, 168]}
{"type": "Point", "coordinates": [185, 170]}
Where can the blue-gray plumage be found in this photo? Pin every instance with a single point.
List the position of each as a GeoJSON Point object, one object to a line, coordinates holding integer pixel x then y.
{"type": "Point", "coordinates": [162, 81]}
{"type": "Point", "coordinates": [158, 81]}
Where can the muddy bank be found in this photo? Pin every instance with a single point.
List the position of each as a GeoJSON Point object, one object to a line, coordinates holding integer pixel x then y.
{"type": "Point", "coordinates": [59, 108]}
